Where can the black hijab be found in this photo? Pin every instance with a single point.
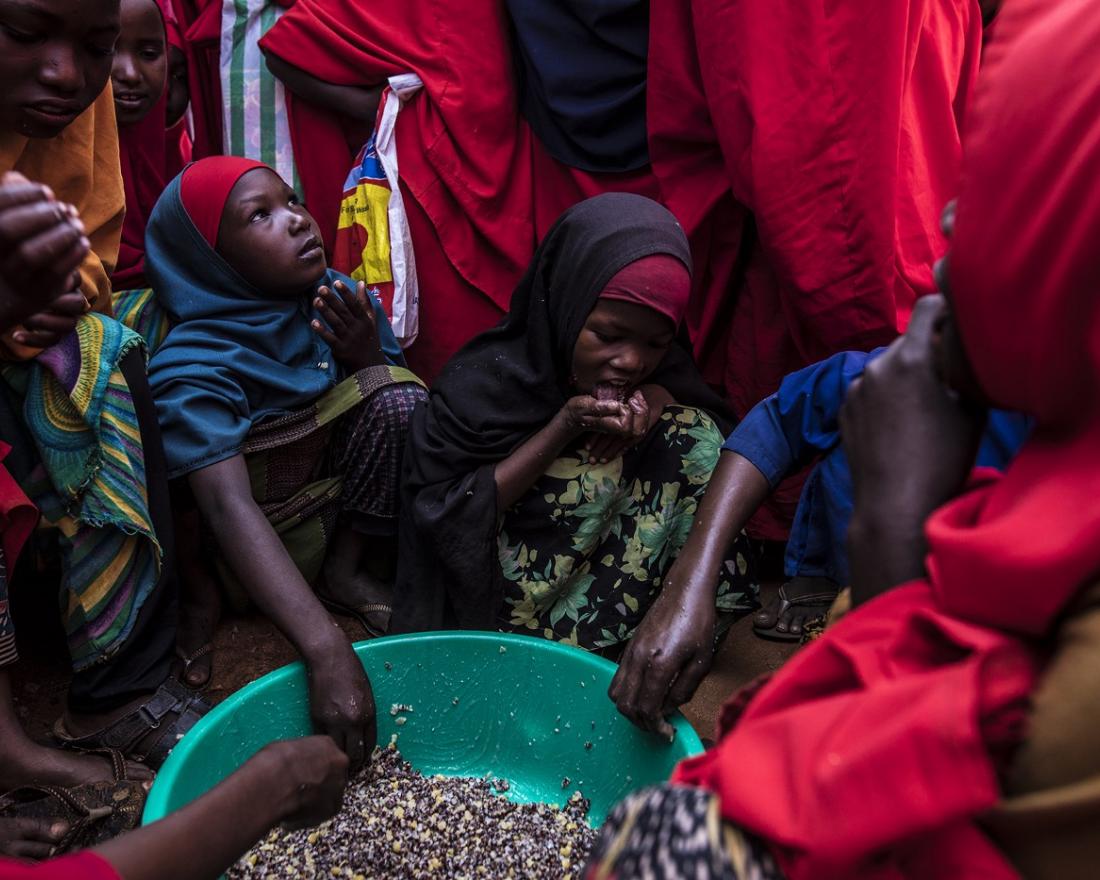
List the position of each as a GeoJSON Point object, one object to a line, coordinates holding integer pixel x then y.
{"type": "Point", "coordinates": [501, 388]}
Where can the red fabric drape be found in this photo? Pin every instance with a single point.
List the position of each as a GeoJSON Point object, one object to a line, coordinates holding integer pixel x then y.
{"type": "Point", "coordinates": [808, 150]}
{"type": "Point", "coordinates": [18, 516]}
{"type": "Point", "coordinates": [480, 190]}
{"type": "Point", "coordinates": [836, 126]}
{"type": "Point", "coordinates": [200, 21]}
{"type": "Point", "coordinates": [82, 866]}
{"type": "Point", "coordinates": [871, 753]}
{"type": "Point", "coordinates": [146, 167]}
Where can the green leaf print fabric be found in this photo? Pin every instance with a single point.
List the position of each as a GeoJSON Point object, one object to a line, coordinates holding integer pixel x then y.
{"type": "Point", "coordinates": [584, 552]}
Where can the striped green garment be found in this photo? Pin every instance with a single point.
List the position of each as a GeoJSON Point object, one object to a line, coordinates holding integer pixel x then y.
{"type": "Point", "coordinates": [139, 310]}
{"type": "Point", "coordinates": [255, 121]}
{"type": "Point", "coordinates": [90, 481]}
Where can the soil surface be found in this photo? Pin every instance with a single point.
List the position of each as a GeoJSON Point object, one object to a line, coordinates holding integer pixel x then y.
{"type": "Point", "coordinates": [248, 646]}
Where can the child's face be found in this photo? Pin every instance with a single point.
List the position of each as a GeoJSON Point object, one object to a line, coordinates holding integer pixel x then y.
{"type": "Point", "coordinates": [55, 59]}
{"type": "Point", "coordinates": [621, 344]}
{"type": "Point", "coordinates": [140, 68]}
{"type": "Point", "coordinates": [268, 236]}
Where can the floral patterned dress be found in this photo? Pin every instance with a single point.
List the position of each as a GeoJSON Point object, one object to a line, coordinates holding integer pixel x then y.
{"type": "Point", "coordinates": [584, 552]}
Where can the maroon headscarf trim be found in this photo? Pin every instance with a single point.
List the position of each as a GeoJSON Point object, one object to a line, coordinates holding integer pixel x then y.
{"type": "Point", "coordinates": [659, 282]}
{"type": "Point", "coordinates": [205, 187]}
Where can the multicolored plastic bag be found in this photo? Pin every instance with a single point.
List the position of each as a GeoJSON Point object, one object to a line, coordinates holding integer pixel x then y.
{"type": "Point", "coordinates": [373, 243]}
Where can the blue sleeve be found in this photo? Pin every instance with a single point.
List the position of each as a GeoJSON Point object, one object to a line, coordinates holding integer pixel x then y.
{"type": "Point", "coordinates": [1005, 433]}
{"type": "Point", "coordinates": [785, 431]}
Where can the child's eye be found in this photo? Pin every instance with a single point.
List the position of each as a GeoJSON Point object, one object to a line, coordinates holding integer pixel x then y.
{"type": "Point", "coordinates": [25, 37]}
{"type": "Point", "coordinates": [257, 215]}
{"type": "Point", "coordinates": [151, 54]}
{"type": "Point", "coordinates": [603, 337]}
{"type": "Point", "coordinates": [293, 199]}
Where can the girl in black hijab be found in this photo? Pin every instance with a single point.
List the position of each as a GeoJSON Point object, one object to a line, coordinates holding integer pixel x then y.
{"type": "Point", "coordinates": [552, 477]}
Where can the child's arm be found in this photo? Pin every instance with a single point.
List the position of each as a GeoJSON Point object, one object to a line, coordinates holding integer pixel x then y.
{"type": "Point", "coordinates": [341, 703]}
{"type": "Point", "coordinates": [672, 648]}
{"type": "Point", "coordinates": [299, 782]}
{"type": "Point", "coordinates": [518, 472]}
{"type": "Point", "coordinates": [786, 431]}
{"type": "Point", "coordinates": [607, 447]}
{"type": "Point", "coordinates": [356, 102]}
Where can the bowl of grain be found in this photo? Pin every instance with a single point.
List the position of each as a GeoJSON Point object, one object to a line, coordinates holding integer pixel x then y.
{"type": "Point", "coordinates": [521, 723]}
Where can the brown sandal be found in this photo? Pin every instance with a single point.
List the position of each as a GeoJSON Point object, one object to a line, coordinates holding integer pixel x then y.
{"type": "Point", "coordinates": [359, 613]}
{"type": "Point", "coordinates": [149, 726]}
{"type": "Point", "coordinates": [94, 811]}
{"type": "Point", "coordinates": [191, 659]}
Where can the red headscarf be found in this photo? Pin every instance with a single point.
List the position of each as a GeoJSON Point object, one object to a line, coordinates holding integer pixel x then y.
{"type": "Point", "coordinates": [205, 187]}
{"type": "Point", "coordinates": [147, 166]}
{"type": "Point", "coordinates": [659, 282]}
{"type": "Point", "coordinates": [871, 753]}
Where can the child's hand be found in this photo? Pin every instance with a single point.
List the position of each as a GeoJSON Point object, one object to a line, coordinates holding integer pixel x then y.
{"type": "Point", "coordinates": [51, 325]}
{"type": "Point", "coordinates": [42, 243]}
{"type": "Point", "coordinates": [583, 414]}
{"type": "Point", "coordinates": [351, 333]}
{"type": "Point", "coordinates": [306, 777]}
{"type": "Point", "coordinates": [605, 447]}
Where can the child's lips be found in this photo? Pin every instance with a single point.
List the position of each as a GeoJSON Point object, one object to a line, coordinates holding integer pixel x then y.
{"type": "Point", "coordinates": [610, 391]}
{"type": "Point", "coordinates": [311, 250]}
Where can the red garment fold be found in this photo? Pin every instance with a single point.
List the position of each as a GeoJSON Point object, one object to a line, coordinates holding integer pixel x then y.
{"type": "Point", "coordinates": [18, 516]}
{"type": "Point", "coordinates": [872, 741]}
{"type": "Point", "coordinates": [201, 23]}
{"type": "Point", "coordinates": [479, 179]}
{"type": "Point", "coordinates": [808, 151]}
{"type": "Point", "coordinates": [872, 752]}
{"type": "Point", "coordinates": [81, 866]}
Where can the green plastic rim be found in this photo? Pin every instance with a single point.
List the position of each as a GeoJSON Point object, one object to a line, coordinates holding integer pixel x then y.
{"type": "Point", "coordinates": [522, 708]}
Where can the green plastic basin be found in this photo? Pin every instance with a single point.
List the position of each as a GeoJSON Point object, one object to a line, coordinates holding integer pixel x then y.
{"type": "Point", "coordinates": [528, 710]}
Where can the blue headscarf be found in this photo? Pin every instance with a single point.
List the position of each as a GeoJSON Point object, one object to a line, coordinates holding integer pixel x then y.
{"type": "Point", "coordinates": [233, 356]}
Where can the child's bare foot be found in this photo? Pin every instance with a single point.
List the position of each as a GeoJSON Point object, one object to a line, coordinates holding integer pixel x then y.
{"type": "Point", "coordinates": [25, 762]}
{"type": "Point", "coordinates": [27, 838]}
{"type": "Point", "coordinates": [200, 611]}
{"type": "Point", "coordinates": [28, 763]}
{"type": "Point", "coordinates": [200, 601]}
{"type": "Point", "coordinates": [351, 587]}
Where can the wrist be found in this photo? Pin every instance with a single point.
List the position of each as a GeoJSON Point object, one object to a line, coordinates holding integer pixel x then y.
{"type": "Point", "coordinates": [562, 427]}
{"type": "Point", "coordinates": [364, 361]}
{"type": "Point", "coordinates": [322, 643]}
{"type": "Point", "coordinates": [883, 554]}
{"type": "Point", "coordinates": [276, 773]}
{"type": "Point", "coordinates": [693, 589]}
{"type": "Point", "coordinates": [658, 397]}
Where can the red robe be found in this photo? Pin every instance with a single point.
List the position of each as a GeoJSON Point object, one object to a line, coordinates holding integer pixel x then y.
{"type": "Point", "coordinates": [200, 22]}
{"type": "Point", "coordinates": [480, 191]}
{"type": "Point", "coordinates": [808, 150]}
{"type": "Point", "coordinates": [873, 752]}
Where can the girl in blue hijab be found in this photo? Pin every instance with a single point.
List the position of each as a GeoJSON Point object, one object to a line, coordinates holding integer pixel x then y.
{"type": "Point", "coordinates": [283, 399]}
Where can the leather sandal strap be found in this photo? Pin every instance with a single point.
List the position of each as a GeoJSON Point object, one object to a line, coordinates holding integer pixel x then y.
{"type": "Point", "coordinates": [808, 599]}
{"type": "Point", "coordinates": [124, 734]}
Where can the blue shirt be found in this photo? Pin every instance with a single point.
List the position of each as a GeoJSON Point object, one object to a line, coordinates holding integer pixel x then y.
{"type": "Point", "coordinates": [789, 429]}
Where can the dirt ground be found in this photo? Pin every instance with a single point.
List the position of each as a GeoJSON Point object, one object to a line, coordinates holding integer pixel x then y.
{"type": "Point", "coordinates": [248, 646]}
